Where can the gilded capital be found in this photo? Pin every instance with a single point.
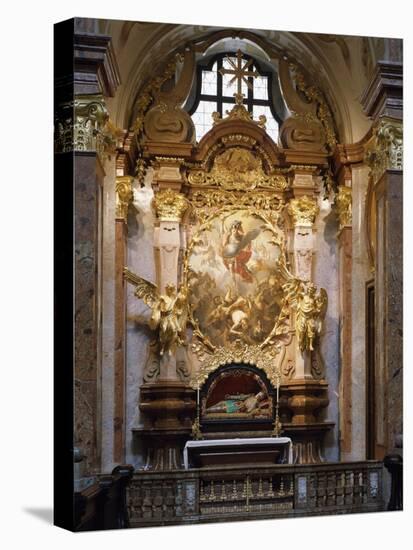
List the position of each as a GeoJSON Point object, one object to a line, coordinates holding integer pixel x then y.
{"type": "Point", "coordinates": [303, 211]}
{"type": "Point", "coordinates": [170, 205]}
{"type": "Point", "coordinates": [79, 124]}
{"type": "Point", "coordinates": [124, 196]}
{"type": "Point", "coordinates": [343, 204]}
{"type": "Point", "coordinates": [384, 151]}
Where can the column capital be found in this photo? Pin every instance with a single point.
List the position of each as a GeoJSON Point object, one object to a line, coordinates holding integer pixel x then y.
{"type": "Point", "coordinates": [83, 124]}
{"type": "Point", "coordinates": [384, 150]}
{"type": "Point", "coordinates": [170, 205]}
{"type": "Point", "coordinates": [303, 211]}
{"type": "Point", "coordinates": [124, 196]}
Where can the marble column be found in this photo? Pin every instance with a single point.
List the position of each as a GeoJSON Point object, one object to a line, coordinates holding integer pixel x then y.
{"type": "Point", "coordinates": [389, 313]}
{"type": "Point", "coordinates": [80, 118]}
{"type": "Point", "coordinates": [383, 102]}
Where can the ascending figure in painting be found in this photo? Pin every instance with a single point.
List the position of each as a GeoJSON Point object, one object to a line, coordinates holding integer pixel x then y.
{"type": "Point", "coordinates": [236, 250]}
{"type": "Point", "coordinates": [240, 403]}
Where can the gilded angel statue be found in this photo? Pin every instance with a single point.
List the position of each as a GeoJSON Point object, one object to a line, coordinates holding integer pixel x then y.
{"type": "Point", "coordinates": [310, 309]}
{"type": "Point", "coordinates": [169, 311]}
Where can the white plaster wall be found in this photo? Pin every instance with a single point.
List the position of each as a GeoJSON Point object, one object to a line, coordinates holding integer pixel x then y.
{"type": "Point", "coordinates": [326, 275]}
{"type": "Point", "coordinates": [140, 260]}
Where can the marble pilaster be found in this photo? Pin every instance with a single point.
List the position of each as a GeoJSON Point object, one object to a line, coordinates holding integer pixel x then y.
{"type": "Point", "coordinates": [303, 212]}
{"type": "Point", "coordinates": [326, 275]}
{"type": "Point", "coordinates": [88, 189]}
{"type": "Point", "coordinates": [360, 275]}
{"type": "Point", "coordinates": [345, 387]}
{"type": "Point", "coordinates": [389, 313]}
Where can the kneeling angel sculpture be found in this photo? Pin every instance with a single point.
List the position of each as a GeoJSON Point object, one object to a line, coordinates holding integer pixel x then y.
{"type": "Point", "coordinates": [169, 311]}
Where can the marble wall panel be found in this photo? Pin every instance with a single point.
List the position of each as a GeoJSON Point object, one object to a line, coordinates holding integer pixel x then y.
{"type": "Point", "coordinates": [361, 273]}
{"type": "Point", "coordinates": [389, 310]}
{"type": "Point", "coordinates": [88, 175]}
{"type": "Point", "coordinates": [325, 274]}
{"type": "Point", "coordinates": [140, 259]}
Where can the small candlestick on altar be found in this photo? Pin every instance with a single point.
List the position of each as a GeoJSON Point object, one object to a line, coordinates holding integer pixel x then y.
{"type": "Point", "coordinates": [197, 397]}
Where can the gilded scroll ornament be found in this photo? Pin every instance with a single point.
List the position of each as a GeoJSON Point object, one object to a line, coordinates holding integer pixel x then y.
{"type": "Point", "coordinates": [237, 169]}
{"type": "Point", "coordinates": [343, 204]}
{"type": "Point", "coordinates": [124, 196]}
{"type": "Point", "coordinates": [170, 205]}
{"type": "Point", "coordinates": [148, 93]}
{"type": "Point", "coordinates": [169, 311]}
{"type": "Point", "coordinates": [384, 151]}
{"type": "Point", "coordinates": [206, 202]}
{"type": "Point", "coordinates": [140, 171]}
{"type": "Point", "coordinates": [310, 309]}
{"type": "Point", "coordinates": [315, 96]}
{"type": "Point", "coordinates": [303, 211]}
{"type": "Point", "coordinates": [239, 112]}
{"type": "Point", "coordinates": [166, 120]}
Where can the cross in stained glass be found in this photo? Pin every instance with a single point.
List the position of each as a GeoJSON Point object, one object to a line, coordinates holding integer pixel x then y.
{"type": "Point", "coordinates": [241, 73]}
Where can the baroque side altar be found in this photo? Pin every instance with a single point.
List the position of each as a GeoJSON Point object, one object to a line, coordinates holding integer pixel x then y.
{"type": "Point", "coordinates": [234, 246]}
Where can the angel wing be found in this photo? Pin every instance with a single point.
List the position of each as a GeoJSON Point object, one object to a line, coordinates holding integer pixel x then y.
{"type": "Point", "coordinates": [146, 291]}
{"type": "Point", "coordinates": [250, 236]}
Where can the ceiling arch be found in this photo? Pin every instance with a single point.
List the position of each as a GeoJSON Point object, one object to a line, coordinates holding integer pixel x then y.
{"type": "Point", "coordinates": [337, 67]}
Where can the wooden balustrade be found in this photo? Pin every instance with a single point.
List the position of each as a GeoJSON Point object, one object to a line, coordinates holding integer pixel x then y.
{"type": "Point", "coordinates": [219, 494]}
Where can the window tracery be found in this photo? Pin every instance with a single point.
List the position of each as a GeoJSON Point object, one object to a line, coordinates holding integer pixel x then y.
{"type": "Point", "coordinates": [215, 91]}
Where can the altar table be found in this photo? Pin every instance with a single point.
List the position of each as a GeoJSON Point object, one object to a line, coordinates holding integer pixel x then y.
{"type": "Point", "coordinates": [219, 452]}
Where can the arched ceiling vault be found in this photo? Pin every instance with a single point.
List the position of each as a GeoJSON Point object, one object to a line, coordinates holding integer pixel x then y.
{"type": "Point", "coordinates": [338, 65]}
